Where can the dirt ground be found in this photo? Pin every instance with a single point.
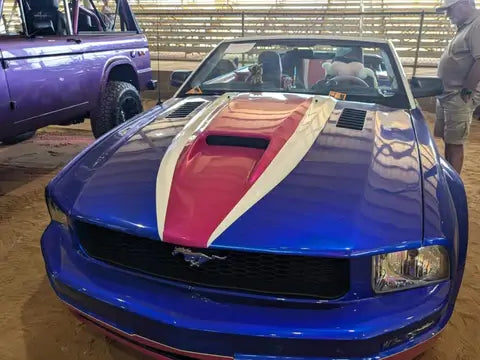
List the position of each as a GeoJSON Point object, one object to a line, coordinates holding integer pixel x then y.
{"type": "Point", "coordinates": [36, 326]}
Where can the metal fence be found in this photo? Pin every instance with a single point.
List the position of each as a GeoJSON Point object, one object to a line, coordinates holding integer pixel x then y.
{"type": "Point", "coordinates": [419, 36]}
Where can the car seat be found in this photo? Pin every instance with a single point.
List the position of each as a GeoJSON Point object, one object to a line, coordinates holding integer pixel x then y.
{"type": "Point", "coordinates": [224, 66]}
{"type": "Point", "coordinates": [293, 65]}
{"type": "Point", "coordinates": [88, 20]}
{"type": "Point", "coordinates": [272, 67]}
{"type": "Point", "coordinates": [313, 72]}
{"type": "Point", "coordinates": [45, 10]}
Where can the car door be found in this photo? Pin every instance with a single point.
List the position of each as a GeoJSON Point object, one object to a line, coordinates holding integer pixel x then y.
{"type": "Point", "coordinates": [44, 72]}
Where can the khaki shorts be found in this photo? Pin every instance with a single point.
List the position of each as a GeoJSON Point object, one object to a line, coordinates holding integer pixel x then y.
{"type": "Point", "coordinates": [454, 117]}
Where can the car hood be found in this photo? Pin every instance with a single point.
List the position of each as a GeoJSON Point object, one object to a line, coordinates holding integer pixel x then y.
{"type": "Point", "coordinates": [272, 172]}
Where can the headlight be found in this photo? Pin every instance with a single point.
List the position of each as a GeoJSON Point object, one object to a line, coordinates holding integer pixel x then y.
{"type": "Point", "coordinates": [410, 268]}
{"type": "Point", "coordinates": [56, 214]}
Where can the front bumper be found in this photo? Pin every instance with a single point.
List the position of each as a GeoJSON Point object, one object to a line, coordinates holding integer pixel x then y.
{"type": "Point", "coordinates": [161, 318]}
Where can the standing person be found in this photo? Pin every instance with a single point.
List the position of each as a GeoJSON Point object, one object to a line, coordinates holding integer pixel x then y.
{"type": "Point", "coordinates": [459, 69]}
{"type": "Point", "coordinates": [108, 15]}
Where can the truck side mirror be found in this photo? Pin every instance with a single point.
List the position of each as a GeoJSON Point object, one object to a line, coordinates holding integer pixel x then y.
{"type": "Point", "coordinates": [178, 77]}
{"type": "Point", "coordinates": [426, 86]}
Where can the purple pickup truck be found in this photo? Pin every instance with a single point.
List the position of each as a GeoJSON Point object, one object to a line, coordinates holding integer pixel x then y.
{"type": "Point", "coordinates": [66, 60]}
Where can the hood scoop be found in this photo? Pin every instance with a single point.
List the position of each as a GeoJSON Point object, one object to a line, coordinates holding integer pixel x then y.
{"type": "Point", "coordinates": [184, 110]}
{"type": "Point", "coordinates": [238, 141]}
{"type": "Point", "coordinates": [352, 119]}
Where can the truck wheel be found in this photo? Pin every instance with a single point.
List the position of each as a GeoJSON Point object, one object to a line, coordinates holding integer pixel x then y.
{"type": "Point", "coordinates": [119, 102]}
{"type": "Point", "coordinates": [19, 138]}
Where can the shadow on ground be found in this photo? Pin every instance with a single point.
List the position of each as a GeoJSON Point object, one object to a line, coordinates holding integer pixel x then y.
{"type": "Point", "coordinates": [25, 162]}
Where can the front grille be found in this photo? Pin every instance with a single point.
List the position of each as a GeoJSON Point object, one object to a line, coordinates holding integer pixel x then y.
{"type": "Point", "coordinates": [262, 273]}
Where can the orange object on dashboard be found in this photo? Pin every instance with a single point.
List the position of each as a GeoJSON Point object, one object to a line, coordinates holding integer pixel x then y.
{"type": "Point", "coordinates": [337, 95]}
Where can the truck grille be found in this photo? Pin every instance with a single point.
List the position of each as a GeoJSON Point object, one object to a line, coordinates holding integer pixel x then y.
{"type": "Point", "coordinates": [254, 272]}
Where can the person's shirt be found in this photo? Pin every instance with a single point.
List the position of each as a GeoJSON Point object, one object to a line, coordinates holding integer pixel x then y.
{"type": "Point", "coordinates": [460, 55]}
{"type": "Point", "coordinates": [108, 17]}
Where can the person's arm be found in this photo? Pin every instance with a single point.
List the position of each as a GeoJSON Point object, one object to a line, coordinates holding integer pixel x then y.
{"type": "Point", "coordinates": [473, 78]}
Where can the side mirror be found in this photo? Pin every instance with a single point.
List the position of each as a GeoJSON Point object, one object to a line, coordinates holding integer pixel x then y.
{"type": "Point", "coordinates": [426, 87]}
{"type": "Point", "coordinates": [178, 77]}
{"type": "Point", "coordinates": [43, 26]}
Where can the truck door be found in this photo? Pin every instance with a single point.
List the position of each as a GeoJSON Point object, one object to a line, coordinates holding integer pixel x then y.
{"type": "Point", "coordinates": [44, 67]}
{"type": "Point", "coordinates": [4, 98]}
{"type": "Point", "coordinates": [111, 28]}
{"type": "Point", "coordinates": [10, 26]}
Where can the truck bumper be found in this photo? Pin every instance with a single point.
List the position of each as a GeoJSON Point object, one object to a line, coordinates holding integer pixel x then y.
{"type": "Point", "coordinates": [152, 84]}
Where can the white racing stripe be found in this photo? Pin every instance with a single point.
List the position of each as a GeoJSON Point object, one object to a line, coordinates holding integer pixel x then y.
{"type": "Point", "coordinates": [286, 160]}
{"type": "Point", "coordinates": [169, 161]}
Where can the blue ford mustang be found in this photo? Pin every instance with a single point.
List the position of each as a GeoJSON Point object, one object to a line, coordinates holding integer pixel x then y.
{"type": "Point", "coordinates": [288, 202]}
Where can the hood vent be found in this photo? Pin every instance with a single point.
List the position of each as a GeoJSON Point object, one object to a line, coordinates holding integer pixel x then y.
{"type": "Point", "coordinates": [184, 110]}
{"type": "Point", "coordinates": [239, 141]}
{"type": "Point", "coordinates": [352, 119]}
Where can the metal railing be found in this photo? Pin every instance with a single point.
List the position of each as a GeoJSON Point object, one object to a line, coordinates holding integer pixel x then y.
{"type": "Point", "coordinates": [420, 37]}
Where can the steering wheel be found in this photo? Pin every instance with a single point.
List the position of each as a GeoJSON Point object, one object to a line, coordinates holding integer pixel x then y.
{"type": "Point", "coordinates": [346, 80]}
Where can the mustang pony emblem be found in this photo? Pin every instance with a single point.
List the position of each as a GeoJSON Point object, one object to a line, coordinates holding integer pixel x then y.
{"type": "Point", "coordinates": [194, 258]}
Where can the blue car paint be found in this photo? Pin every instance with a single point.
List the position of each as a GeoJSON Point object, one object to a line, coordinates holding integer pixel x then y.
{"type": "Point", "coordinates": [350, 222]}
{"type": "Point", "coordinates": [445, 201]}
{"type": "Point", "coordinates": [212, 320]}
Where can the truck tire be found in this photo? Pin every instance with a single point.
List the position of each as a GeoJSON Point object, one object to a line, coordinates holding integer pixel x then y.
{"type": "Point", "coordinates": [19, 138]}
{"type": "Point", "coordinates": [119, 102]}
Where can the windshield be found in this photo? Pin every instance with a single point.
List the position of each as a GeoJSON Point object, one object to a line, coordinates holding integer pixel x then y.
{"type": "Point", "coordinates": [347, 70]}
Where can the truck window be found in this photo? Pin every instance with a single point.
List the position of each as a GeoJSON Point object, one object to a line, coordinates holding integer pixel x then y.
{"type": "Point", "coordinates": [45, 17]}
{"type": "Point", "coordinates": [11, 21]}
{"type": "Point", "coordinates": [104, 16]}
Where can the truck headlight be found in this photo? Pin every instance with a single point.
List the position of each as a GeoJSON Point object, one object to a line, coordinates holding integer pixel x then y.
{"type": "Point", "coordinates": [410, 268]}
{"type": "Point", "coordinates": [56, 214]}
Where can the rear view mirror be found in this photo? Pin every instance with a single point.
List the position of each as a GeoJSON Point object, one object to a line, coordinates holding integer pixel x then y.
{"type": "Point", "coordinates": [426, 87]}
{"type": "Point", "coordinates": [178, 77]}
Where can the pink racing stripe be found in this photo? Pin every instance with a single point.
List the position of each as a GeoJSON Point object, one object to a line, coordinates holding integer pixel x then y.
{"type": "Point", "coordinates": [209, 180]}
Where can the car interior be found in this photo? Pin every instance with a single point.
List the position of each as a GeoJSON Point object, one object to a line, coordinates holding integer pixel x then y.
{"type": "Point", "coordinates": [45, 11]}
{"type": "Point", "coordinates": [303, 69]}
{"type": "Point", "coordinates": [88, 20]}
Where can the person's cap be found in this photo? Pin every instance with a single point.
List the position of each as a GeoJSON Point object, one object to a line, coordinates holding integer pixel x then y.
{"type": "Point", "coordinates": [447, 4]}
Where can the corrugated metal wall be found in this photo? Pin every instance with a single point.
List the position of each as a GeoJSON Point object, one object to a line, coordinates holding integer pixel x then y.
{"type": "Point", "coordinates": [188, 29]}
{"type": "Point", "coordinates": [340, 5]}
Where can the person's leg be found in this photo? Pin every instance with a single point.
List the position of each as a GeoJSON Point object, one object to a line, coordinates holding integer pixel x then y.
{"type": "Point", "coordinates": [476, 103]}
{"type": "Point", "coordinates": [458, 117]}
{"type": "Point", "coordinates": [439, 128]}
{"type": "Point", "coordinates": [454, 155]}
{"type": "Point", "coordinates": [476, 114]}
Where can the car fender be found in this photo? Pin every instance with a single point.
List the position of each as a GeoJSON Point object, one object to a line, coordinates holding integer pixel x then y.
{"type": "Point", "coordinates": [459, 198]}
{"type": "Point", "coordinates": [445, 203]}
{"type": "Point", "coordinates": [111, 64]}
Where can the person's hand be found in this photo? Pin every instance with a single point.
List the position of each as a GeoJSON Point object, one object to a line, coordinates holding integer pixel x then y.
{"type": "Point", "coordinates": [466, 95]}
